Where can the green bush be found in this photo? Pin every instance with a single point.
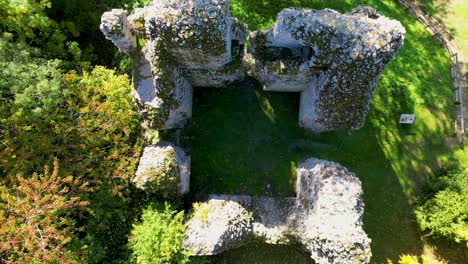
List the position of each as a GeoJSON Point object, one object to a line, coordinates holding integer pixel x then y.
{"type": "Point", "coordinates": [100, 142]}
{"type": "Point", "coordinates": [84, 119]}
{"type": "Point", "coordinates": [31, 102]}
{"type": "Point", "coordinates": [88, 122]}
{"type": "Point", "coordinates": [444, 213]}
{"type": "Point", "coordinates": [158, 237]}
{"type": "Point", "coordinates": [28, 21]}
{"type": "Point", "coordinates": [80, 20]}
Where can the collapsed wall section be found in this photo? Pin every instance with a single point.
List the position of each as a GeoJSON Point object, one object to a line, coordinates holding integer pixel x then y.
{"type": "Point", "coordinates": [325, 217]}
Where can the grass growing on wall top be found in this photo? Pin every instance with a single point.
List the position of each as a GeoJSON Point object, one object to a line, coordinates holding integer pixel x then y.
{"type": "Point", "coordinates": [247, 141]}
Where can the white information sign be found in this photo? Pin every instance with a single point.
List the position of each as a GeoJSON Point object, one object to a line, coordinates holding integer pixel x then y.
{"type": "Point", "coordinates": [407, 118]}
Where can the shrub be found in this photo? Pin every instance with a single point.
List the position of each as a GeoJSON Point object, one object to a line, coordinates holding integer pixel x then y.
{"type": "Point", "coordinates": [31, 102]}
{"type": "Point", "coordinates": [158, 237]}
{"type": "Point", "coordinates": [100, 142]}
{"type": "Point", "coordinates": [34, 221]}
{"type": "Point", "coordinates": [28, 21]}
{"type": "Point", "coordinates": [444, 213]}
{"type": "Point", "coordinates": [89, 123]}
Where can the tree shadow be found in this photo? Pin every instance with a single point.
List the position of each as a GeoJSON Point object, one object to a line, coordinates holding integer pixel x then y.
{"type": "Point", "coordinates": [449, 251]}
{"type": "Point", "coordinates": [436, 8]}
{"type": "Point", "coordinates": [258, 252]}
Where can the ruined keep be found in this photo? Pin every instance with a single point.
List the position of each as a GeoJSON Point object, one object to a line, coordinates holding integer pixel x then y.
{"type": "Point", "coordinates": [332, 59]}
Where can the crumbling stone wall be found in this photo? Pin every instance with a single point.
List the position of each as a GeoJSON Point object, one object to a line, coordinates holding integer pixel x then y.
{"type": "Point", "coordinates": [333, 59]}
{"type": "Point", "coordinates": [177, 44]}
{"type": "Point", "coordinates": [325, 217]}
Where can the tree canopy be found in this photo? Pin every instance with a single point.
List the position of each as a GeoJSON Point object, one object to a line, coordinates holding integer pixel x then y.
{"type": "Point", "coordinates": [158, 237]}
{"type": "Point", "coordinates": [444, 212]}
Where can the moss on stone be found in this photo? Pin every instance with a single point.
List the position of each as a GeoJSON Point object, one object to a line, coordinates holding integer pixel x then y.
{"type": "Point", "coordinates": [163, 72]}
{"type": "Point", "coordinates": [259, 49]}
{"type": "Point", "coordinates": [164, 179]}
{"type": "Point", "coordinates": [136, 63]}
{"type": "Point", "coordinates": [200, 211]}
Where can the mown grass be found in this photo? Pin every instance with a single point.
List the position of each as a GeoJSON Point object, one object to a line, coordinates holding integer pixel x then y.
{"type": "Point", "coordinates": [247, 141]}
{"type": "Point", "coordinates": [453, 14]}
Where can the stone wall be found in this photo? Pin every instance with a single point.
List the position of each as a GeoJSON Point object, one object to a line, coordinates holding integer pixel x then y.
{"type": "Point", "coordinates": [333, 59]}
{"type": "Point", "coordinates": [325, 217]}
{"type": "Point", "coordinates": [175, 45]}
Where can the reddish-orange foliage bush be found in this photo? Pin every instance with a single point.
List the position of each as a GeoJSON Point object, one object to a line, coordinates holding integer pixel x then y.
{"type": "Point", "coordinates": [34, 221]}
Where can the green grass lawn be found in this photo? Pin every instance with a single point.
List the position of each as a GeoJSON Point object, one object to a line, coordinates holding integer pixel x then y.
{"type": "Point", "coordinates": [454, 15]}
{"type": "Point", "coordinates": [247, 141]}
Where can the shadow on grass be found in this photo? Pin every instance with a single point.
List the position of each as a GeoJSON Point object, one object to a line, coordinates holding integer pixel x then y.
{"type": "Point", "coordinates": [247, 141]}
{"type": "Point", "coordinates": [257, 252]}
{"type": "Point", "coordinates": [436, 8]}
{"type": "Point", "coordinates": [450, 251]}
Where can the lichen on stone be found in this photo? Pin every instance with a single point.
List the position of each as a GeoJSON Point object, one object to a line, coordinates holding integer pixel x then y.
{"type": "Point", "coordinates": [333, 59]}
{"type": "Point", "coordinates": [115, 26]}
{"type": "Point", "coordinates": [163, 170]}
